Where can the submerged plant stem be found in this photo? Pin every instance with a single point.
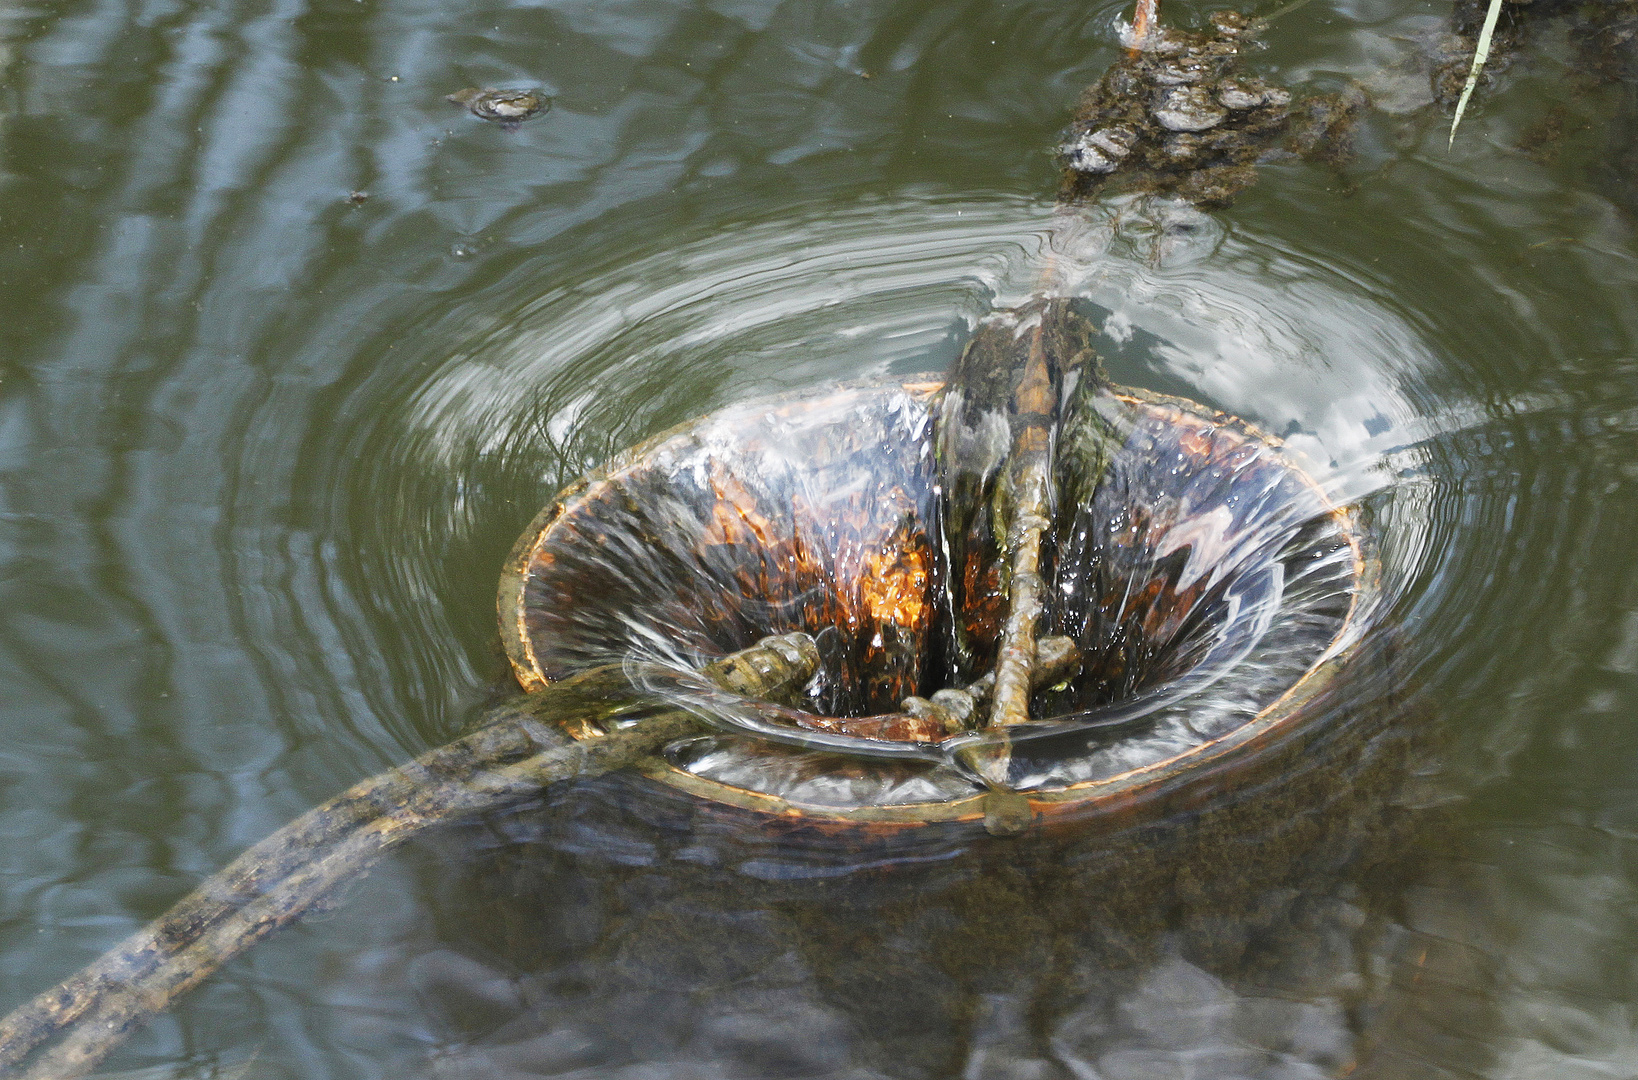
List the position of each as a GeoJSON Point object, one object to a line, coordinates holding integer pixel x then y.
{"type": "Point", "coordinates": [286, 875]}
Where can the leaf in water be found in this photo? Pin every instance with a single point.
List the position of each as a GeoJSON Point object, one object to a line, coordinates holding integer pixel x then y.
{"type": "Point", "coordinates": [1480, 55]}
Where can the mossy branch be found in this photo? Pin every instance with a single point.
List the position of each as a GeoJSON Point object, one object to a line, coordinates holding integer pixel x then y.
{"type": "Point", "coordinates": [510, 759]}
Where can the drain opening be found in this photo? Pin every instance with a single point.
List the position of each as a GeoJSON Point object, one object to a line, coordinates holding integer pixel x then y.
{"type": "Point", "coordinates": [1205, 578]}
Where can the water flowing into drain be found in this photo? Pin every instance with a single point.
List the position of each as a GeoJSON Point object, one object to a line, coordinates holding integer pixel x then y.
{"type": "Point", "coordinates": [919, 543]}
{"type": "Point", "coordinates": [1199, 574]}
{"type": "Point", "coordinates": [1170, 542]}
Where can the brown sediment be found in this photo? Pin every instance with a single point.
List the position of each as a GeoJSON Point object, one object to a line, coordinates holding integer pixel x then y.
{"type": "Point", "coordinates": [511, 757]}
{"type": "Point", "coordinates": [1543, 140]}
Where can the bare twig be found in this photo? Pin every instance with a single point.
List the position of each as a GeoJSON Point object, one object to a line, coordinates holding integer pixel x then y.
{"type": "Point", "coordinates": [1028, 498]}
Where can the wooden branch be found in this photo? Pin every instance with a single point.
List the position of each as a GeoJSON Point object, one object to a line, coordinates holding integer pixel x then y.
{"type": "Point", "coordinates": [1028, 499]}
{"type": "Point", "coordinates": [278, 880]}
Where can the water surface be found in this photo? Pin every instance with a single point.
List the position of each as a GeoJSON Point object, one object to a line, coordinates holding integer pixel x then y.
{"type": "Point", "coordinates": [264, 443]}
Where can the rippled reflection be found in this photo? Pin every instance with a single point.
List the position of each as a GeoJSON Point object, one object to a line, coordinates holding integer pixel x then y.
{"type": "Point", "coordinates": [263, 447]}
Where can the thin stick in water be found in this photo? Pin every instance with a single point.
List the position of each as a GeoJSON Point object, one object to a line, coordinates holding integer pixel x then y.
{"type": "Point", "coordinates": [1029, 496]}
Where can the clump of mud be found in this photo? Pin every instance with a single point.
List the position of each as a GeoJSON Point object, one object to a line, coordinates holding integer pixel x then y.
{"type": "Point", "coordinates": [508, 108]}
{"type": "Point", "coordinates": [1178, 116]}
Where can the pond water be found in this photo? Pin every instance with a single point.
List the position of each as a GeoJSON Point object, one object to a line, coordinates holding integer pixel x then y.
{"type": "Point", "coordinates": [291, 349]}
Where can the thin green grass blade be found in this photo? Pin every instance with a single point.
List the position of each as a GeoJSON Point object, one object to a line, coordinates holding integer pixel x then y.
{"type": "Point", "coordinates": [1480, 55]}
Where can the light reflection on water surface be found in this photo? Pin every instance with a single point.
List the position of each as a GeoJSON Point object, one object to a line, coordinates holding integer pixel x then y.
{"type": "Point", "coordinates": [263, 450]}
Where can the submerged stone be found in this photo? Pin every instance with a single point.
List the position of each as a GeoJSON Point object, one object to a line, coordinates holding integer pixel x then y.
{"type": "Point", "coordinates": [1250, 94]}
{"type": "Point", "coordinates": [1183, 70]}
{"type": "Point", "coordinates": [1099, 151]}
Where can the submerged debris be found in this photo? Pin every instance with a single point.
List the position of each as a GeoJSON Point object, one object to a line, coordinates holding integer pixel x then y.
{"type": "Point", "coordinates": [1605, 33]}
{"type": "Point", "coordinates": [1177, 116]}
{"type": "Point", "coordinates": [504, 107]}
{"type": "Point", "coordinates": [1601, 83]}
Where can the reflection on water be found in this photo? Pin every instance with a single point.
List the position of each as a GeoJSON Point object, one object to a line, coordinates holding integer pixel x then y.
{"type": "Point", "coordinates": [263, 447]}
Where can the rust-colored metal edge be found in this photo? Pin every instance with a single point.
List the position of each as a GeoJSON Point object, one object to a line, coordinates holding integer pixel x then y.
{"type": "Point", "coordinates": [513, 579]}
{"type": "Point", "coordinates": [1105, 795]}
{"type": "Point", "coordinates": [514, 576]}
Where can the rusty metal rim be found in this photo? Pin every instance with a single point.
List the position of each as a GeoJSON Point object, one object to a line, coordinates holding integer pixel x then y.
{"type": "Point", "coordinates": [1122, 788]}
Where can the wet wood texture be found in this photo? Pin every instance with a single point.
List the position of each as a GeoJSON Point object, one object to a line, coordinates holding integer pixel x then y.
{"type": "Point", "coordinates": [516, 753]}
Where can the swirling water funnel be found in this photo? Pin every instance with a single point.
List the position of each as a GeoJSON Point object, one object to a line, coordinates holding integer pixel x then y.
{"type": "Point", "coordinates": [1244, 583]}
{"type": "Point", "coordinates": [813, 512]}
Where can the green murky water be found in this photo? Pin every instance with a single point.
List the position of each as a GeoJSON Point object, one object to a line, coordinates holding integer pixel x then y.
{"type": "Point", "coordinates": [263, 444]}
